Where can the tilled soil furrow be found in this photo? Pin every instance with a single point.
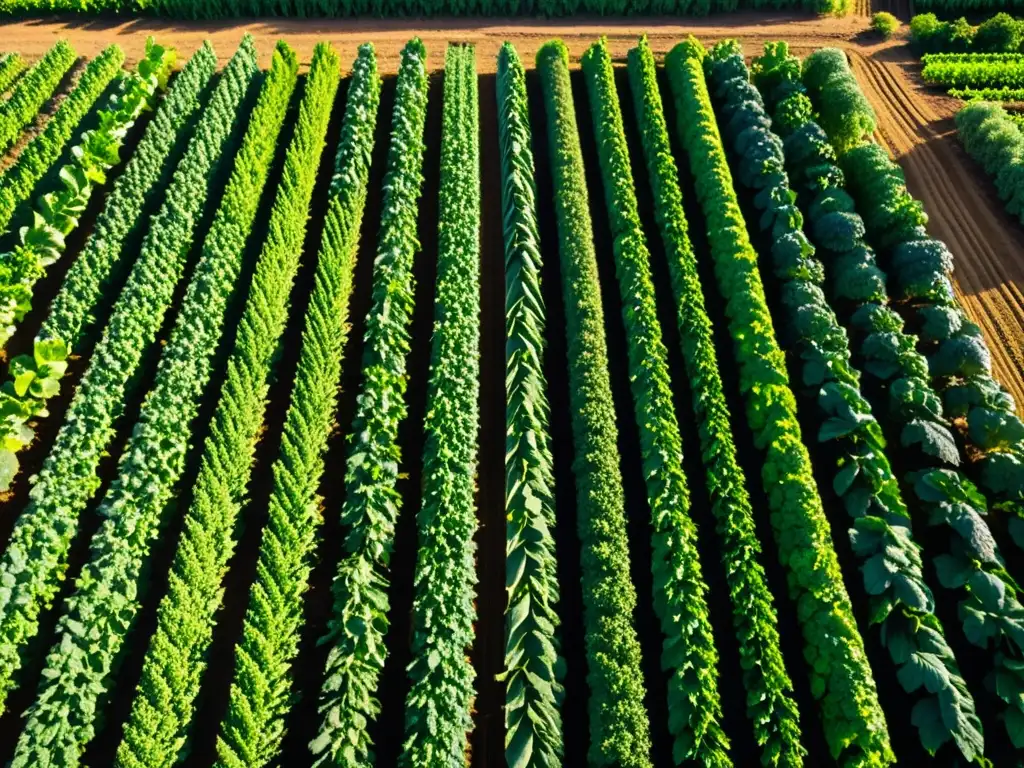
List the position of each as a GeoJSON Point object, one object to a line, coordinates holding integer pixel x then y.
{"type": "Point", "coordinates": [962, 214]}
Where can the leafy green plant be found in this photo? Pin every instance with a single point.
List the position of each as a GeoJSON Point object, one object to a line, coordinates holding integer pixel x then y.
{"type": "Point", "coordinates": [770, 704]}
{"type": "Point", "coordinates": [974, 71]}
{"type": "Point", "coordinates": [881, 535]}
{"type": "Point", "coordinates": [58, 212]}
{"type": "Point", "coordinates": [992, 138]}
{"type": "Point", "coordinates": [253, 727]}
{"type": "Point", "coordinates": [72, 309]}
{"type": "Point", "coordinates": [439, 703]}
{"type": "Point", "coordinates": [844, 112]}
{"type": "Point", "coordinates": [11, 67]}
{"type": "Point", "coordinates": [37, 555]}
{"type": "Point", "coordinates": [156, 731]}
{"type": "Point", "coordinates": [33, 90]}
{"type": "Point", "coordinates": [988, 94]}
{"type": "Point", "coordinates": [893, 221]}
{"type": "Point", "coordinates": [372, 504]}
{"type": "Point", "coordinates": [680, 594]}
{"type": "Point", "coordinates": [885, 24]}
{"type": "Point", "coordinates": [101, 610]}
{"type": "Point", "coordinates": [533, 690]}
{"type": "Point", "coordinates": [619, 729]}
{"type": "Point", "coordinates": [18, 181]}
{"type": "Point", "coordinates": [1000, 33]}
{"type": "Point", "coordinates": [854, 724]}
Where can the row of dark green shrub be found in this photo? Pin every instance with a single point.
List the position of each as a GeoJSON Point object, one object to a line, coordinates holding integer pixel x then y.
{"type": "Point", "coordinates": [999, 34]}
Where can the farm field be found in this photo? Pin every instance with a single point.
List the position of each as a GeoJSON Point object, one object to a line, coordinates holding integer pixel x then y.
{"type": "Point", "coordinates": [750, 320]}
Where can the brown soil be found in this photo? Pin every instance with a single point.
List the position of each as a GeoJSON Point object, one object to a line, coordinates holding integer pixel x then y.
{"type": "Point", "coordinates": [90, 36]}
{"type": "Point", "coordinates": [917, 127]}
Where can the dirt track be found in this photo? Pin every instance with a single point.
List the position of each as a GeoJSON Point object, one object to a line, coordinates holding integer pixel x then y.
{"type": "Point", "coordinates": [914, 124]}
{"type": "Point", "coordinates": [964, 211]}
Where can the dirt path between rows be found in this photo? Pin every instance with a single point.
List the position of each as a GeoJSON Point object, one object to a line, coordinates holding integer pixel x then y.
{"type": "Point", "coordinates": [914, 124]}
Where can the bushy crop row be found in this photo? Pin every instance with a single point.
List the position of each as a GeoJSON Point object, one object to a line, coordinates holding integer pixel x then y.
{"type": "Point", "coordinates": [533, 690]}
{"type": "Point", "coordinates": [973, 58]}
{"type": "Point", "coordinates": [11, 67]}
{"type": "Point", "coordinates": [855, 727]}
{"type": "Point", "coordinates": [438, 706]}
{"type": "Point", "coordinates": [680, 593]}
{"type": "Point", "coordinates": [33, 379]}
{"type": "Point", "coordinates": [861, 476]}
{"type": "Point", "coordinates": [260, 697]}
{"type": "Point", "coordinates": [57, 213]}
{"type": "Point", "coordinates": [37, 556]}
{"type": "Point", "coordinates": [955, 365]}
{"type": "Point", "coordinates": [948, 8]}
{"type": "Point", "coordinates": [994, 139]}
{"type": "Point", "coordinates": [159, 725]}
{"type": "Point", "coordinates": [770, 704]}
{"type": "Point", "coordinates": [18, 181]}
{"type": "Point", "coordinates": [619, 729]}
{"type": "Point", "coordinates": [998, 34]}
{"type": "Point", "coordinates": [965, 72]}
{"type": "Point", "coordinates": [102, 608]}
{"type": "Point", "coordinates": [359, 621]}
{"type": "Point", "coordinates": [845, 113]}
{"type": "Point", "coordinates": [33, 90]}
{"type": "Point", "coordinates": [208, 9]}
{"type": "Point", "coordinates": [988, 94]}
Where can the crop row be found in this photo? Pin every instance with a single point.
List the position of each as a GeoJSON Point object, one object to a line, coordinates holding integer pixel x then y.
{"type": "Point", "coordinates": [971, 58]}
{"type": "Point", "coordinates": [949, 8]}
{"type": "Point", "coordinates": [950, 360]}
{"type": "Point", "coordinates": [854, 724]}
{"type": "Point", "coordinates": [439, 702]}
{"type": "Point", "coordinates": [57, 212]}
{"type": "Point", "coordinates": [993, 138]}
{"type": "Point", "coordinates": [11, 67]}
{"type": "Point", "coordinates": [770, 704]}
{"type": "Point", "coordinates": [965, 73]}
{"type": "Point", "coordinates": [33, 90]}
{"type": "Point", "coordinates": [1000, 33]}
{"type": "Point", "coordinates": [358, 624]}
{"type": "Point", "coordinates": [102, 608]}
{"type": "Point", "coordinates": [34, 379]}
{"type": "Point", "coordinates": [680, 592]}
{"type": "Point", "coordinates": [852, 440]}
{"type": "Point", "coordinates": [533, 690]}
{"type": "Point", "coordinates": [37, 556]}
{"type": "Point", "coordinates": [19, 181]}
{"type": "Point", "coordinates": [154, 734]}
{"type": "Point", "coordinates": [988, 94]}
{"type": "Point", "coordinates": [619, 730]}
{"type": "Point", "coordinates": [253, 726]}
